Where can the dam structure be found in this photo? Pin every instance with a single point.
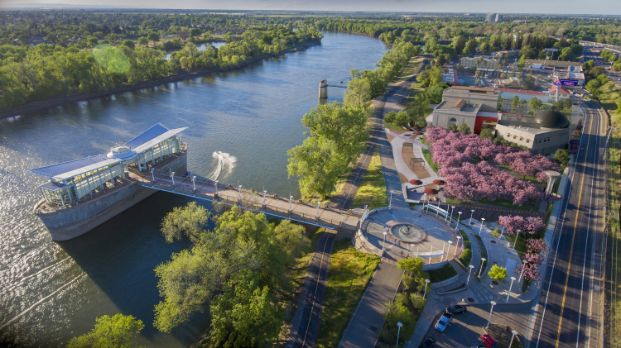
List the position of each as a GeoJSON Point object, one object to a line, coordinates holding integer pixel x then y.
{"type": "Point", "coordinates": [83, 194]}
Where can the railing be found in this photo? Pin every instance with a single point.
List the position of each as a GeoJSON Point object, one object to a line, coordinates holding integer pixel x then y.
{"type": "Point", "coordinates": [270, 204]}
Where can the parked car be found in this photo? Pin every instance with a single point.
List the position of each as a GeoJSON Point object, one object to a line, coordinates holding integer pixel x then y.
{"type": "Point", "coordinates": [488, 341]}
{"type": "Point", "coordinates": [457, 309]}
{"type": "Point", "coordinates": [428, 342]}
{"type": "Point", "coordinates": [443, 322]}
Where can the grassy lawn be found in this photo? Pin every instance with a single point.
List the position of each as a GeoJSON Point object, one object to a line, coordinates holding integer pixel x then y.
{"type": "Point", "coordinates": [608, 99]}
{"type": "Point", "coordinates": [440, 274]}
{"type": "Point", "coordinates": [349, 272]}
{"type": "Point", "coordinates": [429, 160]}
{"type": "Point", "coordinates": [372, 191]}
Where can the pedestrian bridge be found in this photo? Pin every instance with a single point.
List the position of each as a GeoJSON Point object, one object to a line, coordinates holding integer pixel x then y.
{"type": "Point", "coordinates": [201, 188]}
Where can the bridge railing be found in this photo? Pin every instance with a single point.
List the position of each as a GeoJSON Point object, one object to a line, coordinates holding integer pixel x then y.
{"type": "Point", "coordinates": [270, 204]}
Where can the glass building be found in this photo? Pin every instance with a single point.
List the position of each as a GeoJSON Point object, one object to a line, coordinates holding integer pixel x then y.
{"type": "Point", "coordinates": [79, 180]}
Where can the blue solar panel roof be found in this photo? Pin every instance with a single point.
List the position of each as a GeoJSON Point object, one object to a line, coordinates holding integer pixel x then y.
{"type": "Point", "coordinates": [65, 167]}
{"type": "Point", "coordinates": [151, 133]}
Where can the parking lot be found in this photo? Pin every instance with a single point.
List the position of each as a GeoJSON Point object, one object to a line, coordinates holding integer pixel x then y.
{"type": "Point", "coordinates": [465, 329]}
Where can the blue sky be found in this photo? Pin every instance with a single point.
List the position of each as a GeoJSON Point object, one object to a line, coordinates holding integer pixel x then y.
{"type": "Point", "coordinates": [530, 6]}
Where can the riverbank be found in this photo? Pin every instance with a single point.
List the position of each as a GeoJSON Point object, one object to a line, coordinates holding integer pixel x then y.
{"type": "Point", "coordinates": [41, 105]}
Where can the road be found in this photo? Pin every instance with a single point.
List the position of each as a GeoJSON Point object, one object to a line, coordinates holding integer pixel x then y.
{"type": "Point", "coordinates": [570, 305]}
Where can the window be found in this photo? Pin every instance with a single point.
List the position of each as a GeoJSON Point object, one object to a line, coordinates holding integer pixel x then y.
{"type": "Point", "coordinates": [452, 121]}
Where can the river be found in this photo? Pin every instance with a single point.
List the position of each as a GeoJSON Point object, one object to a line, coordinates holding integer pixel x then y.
{"type": "Point", "coordinates": [50, 291]}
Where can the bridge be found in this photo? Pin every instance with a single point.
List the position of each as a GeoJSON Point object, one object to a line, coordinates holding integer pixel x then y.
{"type": "Point", "coordinates": [201, 188]}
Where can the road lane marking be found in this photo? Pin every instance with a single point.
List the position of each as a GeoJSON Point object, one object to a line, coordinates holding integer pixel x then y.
{"type": "Point", "coordinates": [573, 239]}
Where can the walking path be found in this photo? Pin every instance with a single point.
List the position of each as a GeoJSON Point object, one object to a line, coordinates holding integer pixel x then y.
{"type": "Point", "coordinates": [366, 324]}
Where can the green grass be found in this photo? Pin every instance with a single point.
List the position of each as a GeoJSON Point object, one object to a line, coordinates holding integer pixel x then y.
{"type": "Point", "coordinates": [372, 191]}
{"type": "Point", "coordinates": [429, 160]}
{"type": "Point", "coordinates": [440, 274]}
{"type": "Point", "coordinates": [466, 254]}
{"type": "Point", "coordinates": [349, 272]}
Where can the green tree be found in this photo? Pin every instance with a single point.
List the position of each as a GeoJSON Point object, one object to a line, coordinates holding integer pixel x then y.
{"type": "Point", "coordinates": [463, 128]}
{"type": "Point", "coordinates": [487, 133]}
{"type": "Point", "coordinates": [413, 276]}
{"type": "Point", "coordinates": [110, 331]}
{"type": "Point", "coordinates": [497, 273]}
{"type": "Point", "coordinates": [188, 221]}
{"type": "Point", "coordinates": [562, 157]}
{"type": "Point", "coordinates": [515, 103]}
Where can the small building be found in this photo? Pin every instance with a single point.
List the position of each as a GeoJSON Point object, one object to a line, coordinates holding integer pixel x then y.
{"type": "Point", "coordinates": [466, 105]}
{"type": "Point", "coordinates": [76, 181]}
{"type": "Point", "coordinates": [546, 132]}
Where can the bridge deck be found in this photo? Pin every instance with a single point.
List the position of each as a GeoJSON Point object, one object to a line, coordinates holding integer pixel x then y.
{"type": "Point", "coordinates": [269, 204]}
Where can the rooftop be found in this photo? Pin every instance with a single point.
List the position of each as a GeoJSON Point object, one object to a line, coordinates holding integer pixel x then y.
{"type": "Point", "coordinates": [144, 141]}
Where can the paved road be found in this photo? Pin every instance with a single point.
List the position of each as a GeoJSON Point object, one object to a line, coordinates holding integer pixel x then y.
{"type": "Point", "coordinates": [305, 322]}
{"type": "Point", "coordinates": [570, 307]}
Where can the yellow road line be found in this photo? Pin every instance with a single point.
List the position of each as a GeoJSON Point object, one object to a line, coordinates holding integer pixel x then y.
{"type": "Point", "coordinates": [573, 238]}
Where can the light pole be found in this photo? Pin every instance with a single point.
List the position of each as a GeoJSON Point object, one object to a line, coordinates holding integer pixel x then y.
{"type": "Point", "coordinates": [172, 177]}
{"type": "Point", "coordinates": [513, 334]}
{"type": "Point", "coordinates": [456, 246]}
{"type": "Point", "coordinates": [194, 182]}
{"type": "Point", "coordinates": [449, 248]}
{"type": "Point", "coordinates": [470, 267]}
{"type": "Point", "coordinates": [510, 287]}
{"type": "Point", "coordinates": [390, 201]}
{"type": "Point", "coordinates": [481, 268]}
{"type": "Point", "coordinates": [153, 174]}
{"type": "Point", "coordinates": [452, 209]}
{"type": "Point", "coordinates": [264, 197]}
{"type": "Point", "coordinates": [216, 185]}
{"type": "Point", "coordinates": [239, 187]}
{"type": "Point", "coordinates": [446, 216]}
{"type": "Point", "coordinates": [399, 326]}
{"type": "Point", "coordinates": [290, 202]}
{"type": "Point", "coordinates": [427, 281]}
{"type": "Point", "coordinates": [517, 235]}
{"type": "Point", "coordinates": [524, 262]}
{"type": "Point", "coordinates": [385, 234]}
{"type": "Point", "coordinates": [481, 227]}
{"type": "Point", "coordinates": [317, 212]}
{"type": "Point", "coordinates": [491, 311]}
{"type": "Point", "coordinates": [471, 213]}
{"type": "Point", "coordinates": [458, 219]}
{"type": "Point", "coordinates": [443, 247]}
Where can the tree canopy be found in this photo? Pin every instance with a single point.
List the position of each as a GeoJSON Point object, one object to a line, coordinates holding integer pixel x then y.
{"type": "Point", "coordinates": [110, 331]}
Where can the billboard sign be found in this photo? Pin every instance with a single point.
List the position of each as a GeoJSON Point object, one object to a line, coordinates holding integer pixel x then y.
{"type": "Point", "coordinates": [566, 82]}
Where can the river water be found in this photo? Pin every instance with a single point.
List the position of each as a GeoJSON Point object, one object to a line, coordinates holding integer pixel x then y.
{"type": "Point", "coordinates": [50, 291]}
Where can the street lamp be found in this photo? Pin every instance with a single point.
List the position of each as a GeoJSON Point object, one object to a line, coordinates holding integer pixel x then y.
{"type": "Point", "coordinates": [390, 201]}
{"type": "Point", "coordinates": [481, 269]}
{"type": "Point", "coordinates": [290, 202]}
{"type": "Point", "coordinates": [517, 235]}
{"type": "Point", "coordinates": [153, 174]}
{"type": "Point", "coordinates": [510, 287]}
{"type": "Point", "coordinates": [449, 248]}
{"type": "Point", "coordinates": [443, 247]}
{"type": "Point", "coordinates": [513, 334]}
{"type": "Point", "coordinates": [481, 227]}
{"type": "Point", "coordinates": [264, 197]}
{"type": "Point", "coordinates": [194, 182]}
{"type": "Point", "coordinates": [471, 212]}
{"type": "Point", "coordinates": [524, 262]}
{"type": "Point", "coordinates": [216, 185]}
{"type": "Point", "coordinates": [399, 326]}
{"type": "Point", "coordinates": [452, 209]}
{"type": "Point", "coordinates": [427, 281]}
{"type": "Point", "coordinates": [456, 246]}
{"type": "Point", "coordinates": [502, 232]}
{"type": "Point", "coordinates": [172, 177]}
{"type": "Point", "coordinates": [317, 212]}
{"type": "Point", "coordinates": [470, 267]}
{"type": "Point", "coordinates": [385, 234]}
{"type": "Point", "coordinates": [458, 219]}
{"type": "Point", "coordinates": [491, 310]}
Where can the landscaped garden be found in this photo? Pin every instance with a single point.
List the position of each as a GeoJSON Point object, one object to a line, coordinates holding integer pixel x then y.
{"type": "Point", "coordinates": [372, 191]}
{"type": "Point", "coordinates": [476, 169]}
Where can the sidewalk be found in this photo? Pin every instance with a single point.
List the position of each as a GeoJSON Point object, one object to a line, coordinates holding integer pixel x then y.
{"type": "Point", "coordinates": [366, 324]}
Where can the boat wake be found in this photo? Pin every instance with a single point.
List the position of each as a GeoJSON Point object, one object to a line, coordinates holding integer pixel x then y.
{"type": "Point", "coordinates": [225, 163]}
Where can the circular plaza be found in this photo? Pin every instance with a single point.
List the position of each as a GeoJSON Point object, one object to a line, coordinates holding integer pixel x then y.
{"type": "Point", "coordinates": [401, 232]}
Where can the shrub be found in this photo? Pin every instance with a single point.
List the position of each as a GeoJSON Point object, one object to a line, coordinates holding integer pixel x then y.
{"type": "Point", "coordinates": [497, 273]}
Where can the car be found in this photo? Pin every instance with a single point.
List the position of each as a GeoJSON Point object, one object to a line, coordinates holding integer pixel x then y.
{"type": "Point", "coordinates": [488, 341]}
{"type": "Point", "coordinates": [457, 309]}
{"type": "Point", "coordinates": [443, 322]}
{"type": "Point", "coordinates": [428, 342]}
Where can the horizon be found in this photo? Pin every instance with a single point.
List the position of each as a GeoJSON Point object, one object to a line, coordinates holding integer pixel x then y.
{"type": "Point", "coordinates": [554, 7]}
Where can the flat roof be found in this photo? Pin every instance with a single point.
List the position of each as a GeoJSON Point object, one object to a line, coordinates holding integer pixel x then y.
{"type": "Point", "coordinates": [145, 140]}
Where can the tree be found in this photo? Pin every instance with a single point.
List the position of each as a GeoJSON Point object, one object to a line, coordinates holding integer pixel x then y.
{"type": "Point", "coordinates": [497, 273]}
{"type": "Point", "coordinates": [188, 221]}
{"type": "Point", "coordinates": [110, 331]}
{"type": "Point", "coordinates": [413, 277]}
{"type": "Point", "coordinates": [487, 133]}
{"type": "Point", "coordinates": [562, 157]}
{"type": "Point", "coordinates": [535, 104]}
{"type": "Point", "coordinates": [515, 103]}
